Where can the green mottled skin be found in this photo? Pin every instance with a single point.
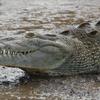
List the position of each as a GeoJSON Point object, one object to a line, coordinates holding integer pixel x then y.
{"type": "Point", "coordinates": [85, 57]}
{"type": "Point", "coordinates": [70, 52]}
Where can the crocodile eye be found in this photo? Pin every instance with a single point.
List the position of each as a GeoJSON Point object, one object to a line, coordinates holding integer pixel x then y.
{"type": "Point", "coordinates": [65, 32]}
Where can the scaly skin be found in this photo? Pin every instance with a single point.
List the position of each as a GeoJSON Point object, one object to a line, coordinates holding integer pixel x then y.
{"type": "Point", "coordinates": [70, 52]}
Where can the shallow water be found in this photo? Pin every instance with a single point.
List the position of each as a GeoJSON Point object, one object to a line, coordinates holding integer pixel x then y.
{"type": "Point", "coordinates": [19, 17]}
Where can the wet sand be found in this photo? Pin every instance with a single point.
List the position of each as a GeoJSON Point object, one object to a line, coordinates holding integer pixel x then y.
{"type": "Point", "coordinates": [19, 17]}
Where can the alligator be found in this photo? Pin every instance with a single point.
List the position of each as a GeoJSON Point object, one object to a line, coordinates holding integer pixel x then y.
{"type": "Point", "coordinates": [70, 52]}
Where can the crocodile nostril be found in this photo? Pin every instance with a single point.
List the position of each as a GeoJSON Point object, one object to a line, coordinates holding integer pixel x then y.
{"type": "Point", "coordinates": [51, 35]}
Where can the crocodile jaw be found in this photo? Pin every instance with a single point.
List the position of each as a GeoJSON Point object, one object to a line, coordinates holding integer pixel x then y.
{"type": "Point", "coordinates": [41, 55]}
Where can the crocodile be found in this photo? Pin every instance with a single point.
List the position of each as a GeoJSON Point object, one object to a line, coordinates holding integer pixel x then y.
{"type": "Point", "coordinates": [70, 52]}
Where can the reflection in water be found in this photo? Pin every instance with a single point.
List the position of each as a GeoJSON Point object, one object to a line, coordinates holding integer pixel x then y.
{"type": "Point", "coordinates": [19, 17]}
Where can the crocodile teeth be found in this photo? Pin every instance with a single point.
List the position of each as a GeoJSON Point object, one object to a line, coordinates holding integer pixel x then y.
{"type": "Point", "coordinates": [12, 52]}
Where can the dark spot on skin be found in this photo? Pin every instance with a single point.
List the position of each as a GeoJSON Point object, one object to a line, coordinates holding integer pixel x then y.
{"type": "Point", "coordinates": [3, 67]}
{"type": "Point", "coordinates": [84, 25]}
{"type": "Point", "coordinates": [98, 23]}
{"type": "Point", "coordinates": [93, 33]}
{"type": "Point", "coordinates": [51, 35]}
{"type": "Point", "coordinates": [29, 35]}
{"type": "Point", "coordinates": [65, 32]}
{"type": "Point", "coordinates": [6, 83]}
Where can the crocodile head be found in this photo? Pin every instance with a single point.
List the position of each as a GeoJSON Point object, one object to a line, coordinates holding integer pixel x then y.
{"type": "Point", "coordinates": [38, 53]}
{"type": "Point", "coordinates": [69, 52]}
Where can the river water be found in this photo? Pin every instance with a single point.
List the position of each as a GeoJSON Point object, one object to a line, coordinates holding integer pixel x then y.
{"type": "Point", "coordinates": [19, 17]}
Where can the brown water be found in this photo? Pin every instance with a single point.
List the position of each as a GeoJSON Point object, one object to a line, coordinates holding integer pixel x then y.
{"type": "Point", "coordinates": [19, 17]}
